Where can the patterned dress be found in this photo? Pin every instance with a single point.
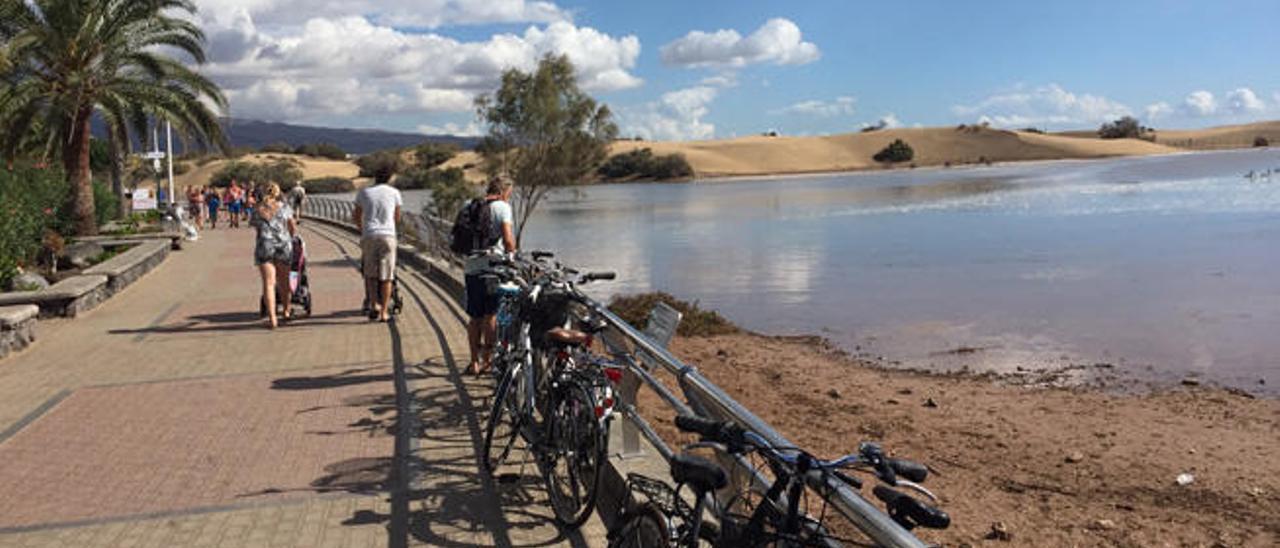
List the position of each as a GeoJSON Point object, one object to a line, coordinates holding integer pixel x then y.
{"type": "Point", "coordinates": [274, 243]}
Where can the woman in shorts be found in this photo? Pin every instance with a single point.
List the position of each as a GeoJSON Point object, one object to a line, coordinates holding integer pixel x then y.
{"type": "Point", "coordinates": [273, 250]}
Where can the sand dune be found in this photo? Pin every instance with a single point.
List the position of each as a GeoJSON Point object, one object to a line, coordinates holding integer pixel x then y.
{"type": "Point", "coordinates": [759, 155]}
{"type": "Point", "coordinates": [1240, 136]}
{"type": "Point", "coordinates": [311, 168]}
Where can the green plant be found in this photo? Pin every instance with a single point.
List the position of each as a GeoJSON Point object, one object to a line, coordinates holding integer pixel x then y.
{"type": "Point", "coordinates": [276, 148]}
{"type": "Point", "coordinates": [328, 185]}
{"type": "Point", "coordinates": [321, 150]}
{"type": "Point", "coordinates": [429, 155]}
{"type": "Point", "coordinates": [449, 189]}
{"type": "Point", "coordinates": [694, 322]}
{"type": "Point", "coordinates": [387, 161]}
{"type": "Point", "coordinates": [283, 171]}
{"type": "Point", "coordinates": [897, 151]}
{"type": "Point", "coordinates": [106, 204]}
{"type": "Point", "coordinates": [544, 132]}
{"type": "Point", "coordinates": [644, 164]}
{"type": "Point", "coordinates": [72, 61]}
{"type": "Point", "coordinates": [1261, 141]}
{"type": "Point", "coordinates": [32, 202]}
{"type": "Point", "coordinates": [1125, 128]}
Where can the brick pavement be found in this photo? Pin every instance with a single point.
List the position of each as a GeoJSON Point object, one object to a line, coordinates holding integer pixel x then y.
{"type": "Point", "coordinates": [170, 417]}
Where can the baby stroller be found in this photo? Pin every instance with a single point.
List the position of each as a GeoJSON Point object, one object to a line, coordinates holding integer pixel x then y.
{"type": "Point", "coordinates": [298, 282]}
{"type": "Point", "coordinates": [396, 302]}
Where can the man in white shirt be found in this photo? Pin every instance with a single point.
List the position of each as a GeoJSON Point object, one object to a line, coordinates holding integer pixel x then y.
{"type": "Point", "coordinates": [482, 306]}
{"type": "Point", "coordinates": [376, 214]}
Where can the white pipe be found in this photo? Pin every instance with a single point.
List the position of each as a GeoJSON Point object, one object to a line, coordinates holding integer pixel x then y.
{"type": "Point", "coordinates": [168, 132]}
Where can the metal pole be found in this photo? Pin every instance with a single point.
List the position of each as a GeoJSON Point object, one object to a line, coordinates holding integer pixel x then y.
{"type": "Point", "coordinates": [168, 132]}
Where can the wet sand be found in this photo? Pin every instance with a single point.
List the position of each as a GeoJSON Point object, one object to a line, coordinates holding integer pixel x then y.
{"type": "Point", "coordinates": [1056, 466]}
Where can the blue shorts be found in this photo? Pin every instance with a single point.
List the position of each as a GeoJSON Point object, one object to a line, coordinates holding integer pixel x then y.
{"type": "Point", "coordinates": [234, 208]}
{"type": "Point", "coordinates": [480, 302]}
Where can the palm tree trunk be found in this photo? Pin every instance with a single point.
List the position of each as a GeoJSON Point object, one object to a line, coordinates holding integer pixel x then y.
{"type": "Point", "coordinates": [76, 161]}
{"type": "Point", "coordinates": [117, 185]}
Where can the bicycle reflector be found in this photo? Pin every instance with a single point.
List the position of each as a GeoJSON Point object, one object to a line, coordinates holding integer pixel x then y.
{"type": "Point", "coordinates": [614, 374]}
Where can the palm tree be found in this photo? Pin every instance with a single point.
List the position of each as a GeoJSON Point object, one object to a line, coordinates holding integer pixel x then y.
{"type": "Point", "coordinates": [74, 59]}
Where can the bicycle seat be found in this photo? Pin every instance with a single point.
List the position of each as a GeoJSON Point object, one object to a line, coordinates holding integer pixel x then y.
{"type": "Point", "coordinates": [699, 473]}
{"type": "Point", "coordinates": [569, 337]}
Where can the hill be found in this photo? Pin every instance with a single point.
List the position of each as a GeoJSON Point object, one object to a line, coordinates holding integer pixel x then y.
{"type": "Point", "coordinates": [255, 134]}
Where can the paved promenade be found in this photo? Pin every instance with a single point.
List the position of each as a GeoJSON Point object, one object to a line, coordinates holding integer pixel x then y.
{"type": "Point", "coordinates": [170, 416]}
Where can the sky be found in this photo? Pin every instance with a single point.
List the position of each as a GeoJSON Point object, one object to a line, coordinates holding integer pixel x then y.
{"type": "Point", "coordinates": [703, 69]}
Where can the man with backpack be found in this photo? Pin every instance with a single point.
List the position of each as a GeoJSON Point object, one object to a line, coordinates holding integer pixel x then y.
{"type": "Point", "coordinates": [483, 229]}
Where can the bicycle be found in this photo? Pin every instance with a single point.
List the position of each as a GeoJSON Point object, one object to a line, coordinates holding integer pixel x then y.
{"type": "Point", "coordinates": [572, 395]}
{"type": "Point", "coordinates": [664, 519]}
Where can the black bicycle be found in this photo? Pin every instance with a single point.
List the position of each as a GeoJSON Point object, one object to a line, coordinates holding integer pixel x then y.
{"type": "Point", "coordinates": [660, 517]}
{"type": "Point", "coordinates": [550, 394]}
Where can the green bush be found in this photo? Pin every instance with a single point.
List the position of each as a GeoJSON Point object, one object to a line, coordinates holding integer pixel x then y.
{"type": "Point", "coordinates": [329, 185]}
{"type": "Point", "coordinates": [1124, 128]}
{"type": "Point", "coordinates": [386, 161]}
{"type": "Point", "coordinates": [897, 151]}
{"type": "Point", "coordinates": [106, 205]}
{"type": "Point", "coordinates": [431, 155]}
{"type": "Point", "coordinates": [277, 148]}
{"type": "Point", "coordinates": [181, 168]}
{"type": "Point", "coordinates": [1261, 141]}
{"type": "Point", "coordinates": [694, 322]}
{"type": "Point", "coordinates": [322, 150]}
{"type": "Point", "coordinates": [644, 164]}
{"type": "Point", "coordinates": [449, 189]}
{"type": "Point", "coordinates": [284, 171]}
{"type": "Point", "coordinates": [32, 202]}
{"type": "Point", "coordinates": [417, 178]}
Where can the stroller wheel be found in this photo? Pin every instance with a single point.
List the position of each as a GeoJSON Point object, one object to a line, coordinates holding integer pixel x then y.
{"type": "Point", "coordinates": [307, 306]}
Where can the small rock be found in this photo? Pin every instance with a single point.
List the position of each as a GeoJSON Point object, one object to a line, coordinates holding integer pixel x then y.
{"type": "Point", "coordinates": [79, 254]}
{"type": "Point", "coordinates": [891, 401]}
{"type": "Point", "coordinates": [833, 394]}
{"type": "Point", "coordinates": [1190, 382]}
{"type": "Point", "coordinates": [721, 353]}
{"type": "Point", "coordinates": [1124, 506]}
{"type": "Point", "coordinates": [928, 402]}
{"type": "Point", "coordinates": [28, 281]}
{"type": "Point", "coordinates": [1102, 525]}
{"type": "Point", "coordinates": [1255, 492]}
{"type": "Point", "coordinates": [905, 391]}
{"type": "Point", "coordinates": [999, 531]}
{"type": "Point", "coordinates": [1184, 479]}
{"type": "Point", "coordinates": [1075, 457]}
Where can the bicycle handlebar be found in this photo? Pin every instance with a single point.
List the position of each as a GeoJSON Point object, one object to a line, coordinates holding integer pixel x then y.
{"type": "Point", "coordinates": [909, 512]}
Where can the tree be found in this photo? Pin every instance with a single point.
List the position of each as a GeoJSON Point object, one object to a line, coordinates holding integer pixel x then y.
{"type": "Point", "coordinates": [544, 132]}
{"type": "Point", "coordinates": [384, 160]}
{"type": "Point", "coordinates": [897, 151]}
{"type": "Point", "coordinates": [431, 155]}
{"type": "Point", "coordinates": [1125, 128]}
{"type": "Point", "coordinates": [73, 59]}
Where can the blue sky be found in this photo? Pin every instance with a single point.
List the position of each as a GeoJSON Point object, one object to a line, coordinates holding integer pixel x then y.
{"type": "Point", "coordinates": [714, 69]}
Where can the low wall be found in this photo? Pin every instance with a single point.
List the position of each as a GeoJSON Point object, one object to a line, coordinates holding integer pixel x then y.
{"type": "Point", "coordinates": [17, 327]}
{"type": "Point", "coordinates": [128, 267]}
{"type": "Point", "coordinates": [77, 294]}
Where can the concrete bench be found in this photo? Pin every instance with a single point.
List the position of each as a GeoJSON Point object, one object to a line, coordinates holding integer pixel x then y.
{"type": "Point", "coordinates": [17, 327]}
{"type": "Point", "coordinates": [173, 237]}
{"type": "Point", "coordinates": [66, 298]}
{"type": "Point", "coordinates": [127, 267]}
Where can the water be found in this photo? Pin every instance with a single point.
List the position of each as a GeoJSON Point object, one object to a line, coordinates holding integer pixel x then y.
{"type": "Point", "coordinates": [1163, 266]}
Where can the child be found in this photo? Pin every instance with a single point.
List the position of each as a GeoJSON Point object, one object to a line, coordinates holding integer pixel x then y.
{"type": "Point", "coordinates": [214, 202]}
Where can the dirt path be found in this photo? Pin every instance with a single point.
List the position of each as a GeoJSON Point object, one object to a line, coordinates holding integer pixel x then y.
{"type": "Point", "coordinates": [1056, 467]}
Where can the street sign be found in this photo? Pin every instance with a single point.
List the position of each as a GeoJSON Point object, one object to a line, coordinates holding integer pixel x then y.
{"type": "Point", "coordinates": [156, 155]}
{"type": "Point", "coordinates": [143, 200]}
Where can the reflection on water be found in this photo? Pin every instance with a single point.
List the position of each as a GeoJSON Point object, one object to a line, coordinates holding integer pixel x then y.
{"type": "Point", "coordinates": [1165, 263]}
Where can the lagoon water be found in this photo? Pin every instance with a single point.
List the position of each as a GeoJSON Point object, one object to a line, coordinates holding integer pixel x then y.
{"type": "Point", "coordinates": [1161, 266]}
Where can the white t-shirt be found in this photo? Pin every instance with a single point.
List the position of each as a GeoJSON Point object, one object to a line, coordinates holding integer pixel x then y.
{"type": "Point", "coordinates": [379, 203]}
{"type": "Point", "coordinates": [500, 214]}
{"type": "Point", "coordinates": [296, 195]}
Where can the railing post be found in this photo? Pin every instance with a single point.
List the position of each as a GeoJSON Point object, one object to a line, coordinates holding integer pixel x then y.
{"type": "Point", "coordinates": [660, 328]}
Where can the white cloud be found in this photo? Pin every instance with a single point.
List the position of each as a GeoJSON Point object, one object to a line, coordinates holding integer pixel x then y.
{"type": "Point", "coordinates": [301, 69]}
{"type": "Point", "coordinates": [1045, 105]}
{"type": "Point", "coordinates": [677, 116]}
{"type": "Point", "coordinates": [1157, 110]}
{"type": "Point", "coordinates": [841, 106]}
{"type": "Point", "coordinates": [724, 80]}
{"type": "Point", "coordinates": [396, 13]}
{"type": "Point", "coordinates": [778, 41]}
{"type": "Point", "coordinates": [472, 129]}
{"type": "Point", "coordinates": [1199, 104]}
{"type": "Point", "coordinates": [1244, 101]}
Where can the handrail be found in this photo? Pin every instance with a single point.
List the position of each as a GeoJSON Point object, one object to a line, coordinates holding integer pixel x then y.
{"type": "Point", "coordinates": [428, 235]}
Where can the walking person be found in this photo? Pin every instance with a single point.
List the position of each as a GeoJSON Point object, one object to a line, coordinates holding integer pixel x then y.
{"type": "Point", "coordinates": [195, 203]}
{"type": "Point", "coordinates": [235, 197]}
{"type": "Point", "coordinates": [273, 250]}
{"type": "Point", "coordinates": [297, 197]}
{"type": "Point", "coordinates": [376, 214]}
{"type": "Point", "coordinates": [497, 238]}
{"type": "Point", "coordinates": [213, 202]}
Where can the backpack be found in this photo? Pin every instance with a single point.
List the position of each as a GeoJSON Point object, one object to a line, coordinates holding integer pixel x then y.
{"type": "Point", "coordinates": [473, 228]}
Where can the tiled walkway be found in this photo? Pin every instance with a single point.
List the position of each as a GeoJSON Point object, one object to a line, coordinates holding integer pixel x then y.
{"type": "Point", "coordinates": [170, 416]}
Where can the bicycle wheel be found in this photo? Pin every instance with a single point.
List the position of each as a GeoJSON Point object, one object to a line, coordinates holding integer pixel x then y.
{"type": "Point", "coordinates": [503, 426]}
{"type": "Point", "coordinates": [645, 527]}
{"type": "Point", "coordinates": [575, 454]}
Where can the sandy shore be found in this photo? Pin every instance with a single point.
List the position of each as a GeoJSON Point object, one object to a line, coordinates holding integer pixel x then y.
{"type": "Point", "coordinates": [1054, 466]}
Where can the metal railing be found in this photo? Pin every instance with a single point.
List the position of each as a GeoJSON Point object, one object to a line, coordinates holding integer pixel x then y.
{"type": "Point", "coordinates": [645, 359]}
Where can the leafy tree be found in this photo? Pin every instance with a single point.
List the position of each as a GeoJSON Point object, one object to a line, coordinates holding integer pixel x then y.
{"type": "Point", "coordinates": [277, 148]}
{"type": "Point", "coordinates": [1124, 128]}
{"type": "Point", "coordinates": [644, 164]}
{"type": "Point", "coordinates": [1261, 141]}
{"type": "Point", "coordinates": [283, 172]}
{"type": "Point", "coordinates": [322, 150]}
{"type": "Point", "coordinates": [74, 59]}
{"type": "Point", "coordinates": [897, 151]}
{"type": "Point", "coordinates": [544, 132]}
{"type": "Point", "coordinates": [449, 189]}
{"type": "Point", "coordinates": [328, 185]}
{"type": "Point", "coordinates": [431, 155]}
{"type": "Point", "coordinates": [387, 161]}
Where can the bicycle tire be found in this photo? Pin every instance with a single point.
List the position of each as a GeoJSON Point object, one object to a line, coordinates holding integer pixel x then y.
{"type": "Point", "coordinates": [576, 439]}
{"type": "Point", "coordinates": [643, 527]}
{"type": "Point", "coordinates": [502, 409]}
